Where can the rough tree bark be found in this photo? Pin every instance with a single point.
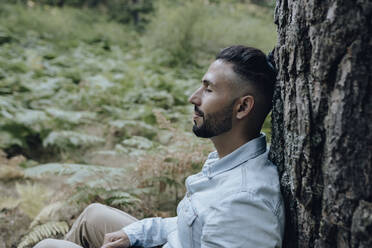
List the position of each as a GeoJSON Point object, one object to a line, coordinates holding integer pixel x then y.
{"type": "Point", "coordinates": [322, 125]}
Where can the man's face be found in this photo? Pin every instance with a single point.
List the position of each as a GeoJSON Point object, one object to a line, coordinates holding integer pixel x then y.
{"type": "Point", "coordinates": [213, 101]}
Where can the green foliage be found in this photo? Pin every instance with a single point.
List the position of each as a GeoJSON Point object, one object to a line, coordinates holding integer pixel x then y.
{"type": "Point", "coordinates": [5, 37]}
{"type": "Point", "coordinates": [138, 142]}
{"type": "Point", "coordinates": [120, 199]}
{"type": "Point", "coordinates": [183, 33]}
{"type": "Point", "coordinates": [43, 231]}
{"type": "Point", "coordinates": [51, 85]}
{"type": "Point", "coordinates": [65, 27]}
{"type": "Point", "coordinates": [78, 92]}
{"type": "Point", "coordinates": [130, 11]}
{"type": "Point", "coordinates": [112, 197]}
{"type": "Point", "coordinates": [64, 139]}
{"type": "Point", "coordinates": [266, 128]}
{"type": "Point", "coordinates": [73, 117]}
{"type": "Point", "coordinates": [92, 175]}
{"type": "Point", "coordinates": [128, 128]}
{"type": "Point", "coordinates": [171, 33]}
{"type": "Point", "coordinates": [124, 11]}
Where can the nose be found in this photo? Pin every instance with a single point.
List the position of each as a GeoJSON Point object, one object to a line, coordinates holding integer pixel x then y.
{"type": "Point", "coordinates": [195, 98]}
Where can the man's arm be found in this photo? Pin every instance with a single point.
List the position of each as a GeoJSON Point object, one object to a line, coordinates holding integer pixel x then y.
{"type": "Point", "coordinates": [146, 233]}
{"type": "Point", "coordinates": [242, 221]}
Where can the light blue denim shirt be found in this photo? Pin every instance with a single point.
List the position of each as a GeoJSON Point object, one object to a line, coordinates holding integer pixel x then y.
{"type": "Point", "coordinates": [233, 202]}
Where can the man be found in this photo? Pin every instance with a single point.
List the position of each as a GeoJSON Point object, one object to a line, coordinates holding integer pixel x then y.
{"type": "Point", "coordinates": [235, 200]}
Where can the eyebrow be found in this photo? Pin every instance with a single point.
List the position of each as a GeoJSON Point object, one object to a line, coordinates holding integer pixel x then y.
{"type": "Point", "coordinates": [206, 81]}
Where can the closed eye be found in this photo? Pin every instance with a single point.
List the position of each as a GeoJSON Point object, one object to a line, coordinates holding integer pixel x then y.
{"type": "Point", "coordinates": [207, 86]}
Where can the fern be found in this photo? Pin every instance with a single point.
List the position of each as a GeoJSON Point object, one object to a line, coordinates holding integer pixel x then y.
{"type": "Point", "coordinates": [9, 203]}
{"type": "Point", "coordinates": [130, 128]}
{"type": "Point", "coordinates": [7, 106]}
{"type": "Point", "coordinates": [43, 87]}
{"type": "Point", "coordinates": [113, 197]}
{"type": "Point", "coordinates": [138, 142]}
{"type": "Point", "coordinates": [99, 83]}
{"type": "Point", "coordinates": [30, 117]}
{"type": "Point", "coordinates": [119, 194]}
{"type": "Point", "coordinates": [123, 201]}
{"type": "Point", "coordinates": [73, 117]}
{"type": "Point", "coordinates": [79, 173]}
{"type": "Point", "coordinates": [43, 231]}
{"type": "Point", "coordinates": [47, 213]}
{"type": "Point", "coordinates": [33, 198]}
{"type": "Point", "coordinates": [63, 139]}
{"type": "Point", "coordinates": [17, 123]}
{"type": "Point", "coordinates": [120, 198]}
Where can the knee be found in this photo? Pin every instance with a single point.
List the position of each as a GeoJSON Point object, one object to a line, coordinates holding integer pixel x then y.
{"type": "Point", "coordinates": [47, 243]}
{"type": "Point", "coordinates": [96, 213]}
{"type": "Point", "coordinates": [94, 209]}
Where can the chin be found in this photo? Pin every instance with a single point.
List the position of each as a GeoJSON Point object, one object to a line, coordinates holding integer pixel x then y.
{"type": "Point", "coordinates": [201, 133]}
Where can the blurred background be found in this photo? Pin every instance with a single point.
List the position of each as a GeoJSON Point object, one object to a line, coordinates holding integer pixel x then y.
{"type": "Point", "coordinates": [93, 103]}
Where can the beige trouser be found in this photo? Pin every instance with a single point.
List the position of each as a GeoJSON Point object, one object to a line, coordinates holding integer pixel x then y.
{"type": "Point", "coordinates": [89, 229]}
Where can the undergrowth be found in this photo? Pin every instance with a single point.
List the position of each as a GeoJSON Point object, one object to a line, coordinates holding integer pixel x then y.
{"type": "Point", "coordinates": [44, 231]}
{"type": "Point", "coordinates": [193, 31]}
{"type": "Point", "coordinates": [91, 110]}
{"type": "Point", "coordinates": [152, 188]}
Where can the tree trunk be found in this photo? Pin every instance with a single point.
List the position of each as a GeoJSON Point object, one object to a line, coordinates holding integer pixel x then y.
{"type": "Point", "coordinates": [322, 125]}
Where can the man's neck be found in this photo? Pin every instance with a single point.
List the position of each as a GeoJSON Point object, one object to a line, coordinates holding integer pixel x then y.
{"type": "Point", "coordinates": [228, 142]}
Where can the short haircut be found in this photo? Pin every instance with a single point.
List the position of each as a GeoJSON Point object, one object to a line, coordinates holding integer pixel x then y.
{"type": "Point", "coordinates": [254, 66]}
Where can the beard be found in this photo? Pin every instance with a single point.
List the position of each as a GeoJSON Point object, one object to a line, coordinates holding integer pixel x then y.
{"type": "Point", "coordinates": [215, 123]}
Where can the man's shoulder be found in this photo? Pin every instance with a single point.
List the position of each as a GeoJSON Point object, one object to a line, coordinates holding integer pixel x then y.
{"type": "Point", "coordinates": [255, 180]}
{"type": "Point", "coordinates": [261, 171]}
{"type": "Point", "coordinates": [252, 175]}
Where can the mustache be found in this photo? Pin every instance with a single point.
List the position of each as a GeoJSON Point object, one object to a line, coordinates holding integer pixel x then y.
{"type": "Point", "coordinates": [198, 111]}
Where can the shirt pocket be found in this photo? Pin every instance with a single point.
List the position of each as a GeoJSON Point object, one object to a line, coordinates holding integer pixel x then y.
{"type": "Point", "coordinates": [186, 212]}
{"type": "Point", "coordinates": [186, 220]}
{"type": "Point", "coordinates": [189, 214]}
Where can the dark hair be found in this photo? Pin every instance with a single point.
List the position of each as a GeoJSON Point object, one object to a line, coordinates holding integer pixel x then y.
{"type": "Point", "coordinates": [254, 66]}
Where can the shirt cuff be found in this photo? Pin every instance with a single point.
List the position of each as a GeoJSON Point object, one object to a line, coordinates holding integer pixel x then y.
{"type": "Point", "coordinates": [132, 234]}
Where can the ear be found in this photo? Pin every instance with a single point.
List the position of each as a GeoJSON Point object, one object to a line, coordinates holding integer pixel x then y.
{"type": "Point", "coordinates": [244, 106]}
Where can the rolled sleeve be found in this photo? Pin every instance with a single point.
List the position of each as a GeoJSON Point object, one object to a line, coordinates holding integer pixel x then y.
{"type": "Point", "coordinates": [150, 232]}
{"type": "Point", "coordinates": [241, 221]}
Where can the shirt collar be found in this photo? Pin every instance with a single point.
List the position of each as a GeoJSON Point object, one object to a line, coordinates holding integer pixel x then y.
{"type": "Point", "coordinates": [253, 148]}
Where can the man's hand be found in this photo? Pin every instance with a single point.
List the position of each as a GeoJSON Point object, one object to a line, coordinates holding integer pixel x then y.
{"type": "Point", "coordinates": [117, 239]}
